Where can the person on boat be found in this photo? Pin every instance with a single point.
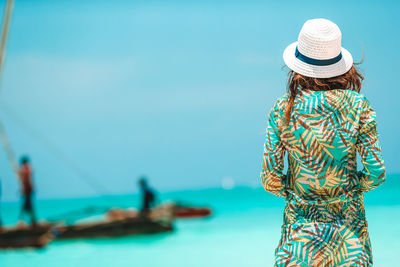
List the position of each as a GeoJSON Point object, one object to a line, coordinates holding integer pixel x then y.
{"type": "Point", "coordinates": [25, 176]}
{"type": "Point", "coordinates": [147, 195]}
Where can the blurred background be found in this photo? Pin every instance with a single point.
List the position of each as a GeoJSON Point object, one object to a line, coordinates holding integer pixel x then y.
{"type": "Point", "coordinates": [99, 93]}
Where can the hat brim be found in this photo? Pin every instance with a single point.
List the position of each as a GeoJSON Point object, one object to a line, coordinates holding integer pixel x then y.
{"type": "Point", "coordinates": [329, 71]}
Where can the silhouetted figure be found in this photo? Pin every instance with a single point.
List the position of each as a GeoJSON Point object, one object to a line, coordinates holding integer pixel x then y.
{"type": "Point", "coordinates": [25, 176]}
{"type": "Point", "coordinates": [148, 196]}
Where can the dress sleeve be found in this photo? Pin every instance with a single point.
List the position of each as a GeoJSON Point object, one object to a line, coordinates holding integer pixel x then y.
{"type": "Point", "coordinates": [272, 176]}
{"type": "Point", "coordinates": [368, 146]}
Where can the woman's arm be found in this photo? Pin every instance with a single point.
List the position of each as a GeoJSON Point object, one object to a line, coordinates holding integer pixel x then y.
{"type": "Point", "coordinates": [368, 146]}
{"type": "Point", "coordinates": [272, 176]}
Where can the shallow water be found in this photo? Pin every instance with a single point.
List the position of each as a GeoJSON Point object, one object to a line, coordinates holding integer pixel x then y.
{"type": "Point", "coordinates": [244, 231]}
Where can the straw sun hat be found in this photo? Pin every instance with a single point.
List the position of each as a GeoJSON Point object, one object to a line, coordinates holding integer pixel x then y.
{"type": "Point", "coordinates": [318, 51]}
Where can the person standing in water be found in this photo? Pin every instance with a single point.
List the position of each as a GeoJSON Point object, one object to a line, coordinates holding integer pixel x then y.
{"type": "Point", "coordinates": [321, 123]}
{"type": "Point", "coordinates": [147, 196]}
{"type": "Point", "coordinates": [25, 176]}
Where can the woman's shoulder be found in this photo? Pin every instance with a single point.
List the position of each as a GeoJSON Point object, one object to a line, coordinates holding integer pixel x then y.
{"type": "Point", "coordinates": [357, 98]}
{"type": "Point", "coordinates": [281, 101]}
{"type": "Point", "coordinates": [279, 105]}
{"type": "Point", "coordinates": [278, 108]}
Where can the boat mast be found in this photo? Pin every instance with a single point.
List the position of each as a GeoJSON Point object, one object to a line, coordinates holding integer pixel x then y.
{"type": "Point", "coordinates": [3, 42]}
{"type": "Point", "coordinates": [4, 33]}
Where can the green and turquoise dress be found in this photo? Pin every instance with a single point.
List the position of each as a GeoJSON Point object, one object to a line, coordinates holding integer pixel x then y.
{"type": "Point", "coordinates": [324, 219]}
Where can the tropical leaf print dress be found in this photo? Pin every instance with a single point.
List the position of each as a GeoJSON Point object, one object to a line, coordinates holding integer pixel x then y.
{"type": "Point", "coordinates": [324, 219]}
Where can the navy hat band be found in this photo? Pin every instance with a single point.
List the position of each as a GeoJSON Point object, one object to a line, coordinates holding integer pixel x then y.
{"type": "Point", "coordinates": [317, 62]}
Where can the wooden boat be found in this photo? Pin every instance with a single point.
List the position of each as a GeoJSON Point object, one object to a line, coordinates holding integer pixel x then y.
{"type": "Point", "coordinates": [191, 212]}
{"type": "Point", "coordinates": [25, 237]}
{"type": "Point", "coordinates": [120, 223]}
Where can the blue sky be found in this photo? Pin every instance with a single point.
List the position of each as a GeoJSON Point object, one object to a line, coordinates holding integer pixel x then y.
{"type": "Point", "coordinates": [176, 90]}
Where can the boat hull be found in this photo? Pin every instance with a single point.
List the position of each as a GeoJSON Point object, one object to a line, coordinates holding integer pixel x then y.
{"type": "Point", "coordinates": [35, 237]}
{"type": "Point", "coordinates": [181, 212]}
{"type": "Point", "coordinates": [115, 228]}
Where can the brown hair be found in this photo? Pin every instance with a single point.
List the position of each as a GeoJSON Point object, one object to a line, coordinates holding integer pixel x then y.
{"type": "Point", "coordinates": [351, 80]}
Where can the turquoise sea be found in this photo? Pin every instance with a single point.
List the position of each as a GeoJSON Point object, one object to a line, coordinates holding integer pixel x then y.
{"type": "Point", "coordinates": [243, 231]}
